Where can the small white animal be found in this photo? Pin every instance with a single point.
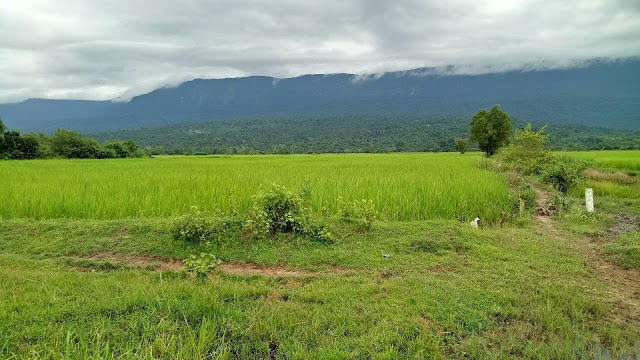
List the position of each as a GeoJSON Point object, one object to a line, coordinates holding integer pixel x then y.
{"type": "Point", "coordinates": [474, 223]}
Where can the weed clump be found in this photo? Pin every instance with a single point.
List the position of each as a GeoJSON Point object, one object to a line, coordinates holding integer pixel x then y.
{"type": "Point", "coordinates": [199, 265]}
{"type": "Point", "coordinates": [563, 173]}
{"type": "Point", "coordinates": [275, 211]}
{"type": "Point", "coordinates": [197, 226]}
{"type": "Point", "coordinates": [360, 213]}
{"type": "Point", "coordinates": [279, 210]}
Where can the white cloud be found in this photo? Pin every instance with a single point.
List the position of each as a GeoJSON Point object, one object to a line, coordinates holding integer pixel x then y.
{"type": "Point", "coordinates": [117, 49]}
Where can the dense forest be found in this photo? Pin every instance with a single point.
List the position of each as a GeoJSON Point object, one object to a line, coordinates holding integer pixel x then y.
{"type": "Point", "coordinates": [63, 144]}
{"type": "Point", "coordinates": [347, 134]}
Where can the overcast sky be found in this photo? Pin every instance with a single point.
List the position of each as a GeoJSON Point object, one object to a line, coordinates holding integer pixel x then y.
{"type": "Point", "coordinates": [88, 49]}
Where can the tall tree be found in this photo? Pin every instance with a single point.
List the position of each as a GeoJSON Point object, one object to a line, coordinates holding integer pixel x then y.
{"type": "Point", "coordinates": [461, 145]}
{"type": "Point", "coordinates": [491, 129]}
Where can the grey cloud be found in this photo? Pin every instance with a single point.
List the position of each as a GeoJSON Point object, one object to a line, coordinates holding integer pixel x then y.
{"type": "Point", "coordinates": [118, 49]}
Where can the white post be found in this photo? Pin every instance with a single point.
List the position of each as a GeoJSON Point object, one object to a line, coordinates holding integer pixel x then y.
{"type": "Point", "coordinates": [588, 197]}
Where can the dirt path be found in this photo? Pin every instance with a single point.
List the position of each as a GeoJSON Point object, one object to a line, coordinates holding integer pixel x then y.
{"type": "Point", "coordinates": [155, 263]}
{"type": "Point", "coordinates": [623, 286]}
{"type": "Point", "coordinates": [274, 270]}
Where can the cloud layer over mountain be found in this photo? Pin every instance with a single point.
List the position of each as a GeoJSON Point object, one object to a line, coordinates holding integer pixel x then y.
{"type": "Point", "coordinates": [103, 50]}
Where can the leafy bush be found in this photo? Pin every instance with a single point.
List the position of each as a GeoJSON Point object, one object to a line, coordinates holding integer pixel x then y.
{"type": "Point", "coordinates": [194, 226]}
{"type": "Point", "coordinates": [197, 226]}
{"type": "Point", "coordinates": [362, 213]}
{"type": "Point", "coordinates": [200, 265]}
{"type": "Point", "coordinates": [563, 173]}
{"type": "Point", "coordinates": [528, 154]}
{"type": "Point", "coordinates": [279, 210]}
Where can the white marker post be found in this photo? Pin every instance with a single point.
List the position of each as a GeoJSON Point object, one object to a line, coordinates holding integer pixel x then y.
{"type": "Point", "coordinates": [588, 197]}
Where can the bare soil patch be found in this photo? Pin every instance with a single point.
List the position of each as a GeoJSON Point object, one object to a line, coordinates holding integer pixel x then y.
{"type": "Point", "coordinates": [273, 270]}
{"type": "Point", "coordinates": [155, 263]}
{"type": "Point", "coordinates": [134, 261]}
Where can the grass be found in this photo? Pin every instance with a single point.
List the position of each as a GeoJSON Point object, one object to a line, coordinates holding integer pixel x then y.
{"type": "Point", "coordinates": [615, 192]}
{"type": "Point", "coordinates": [615, 159]}
{"type": "Point", "coordinates": [447, 291]}
{"type": "Point", "coordinates": [67, 228]}
{"type": "Point", "coordinates": [402, 186]}
{"type": "Point", "coordinates": [625, 250]}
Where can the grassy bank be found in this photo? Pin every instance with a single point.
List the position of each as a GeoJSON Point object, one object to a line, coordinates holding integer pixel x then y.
{"type": "Point", "coordinates": [446, 291]}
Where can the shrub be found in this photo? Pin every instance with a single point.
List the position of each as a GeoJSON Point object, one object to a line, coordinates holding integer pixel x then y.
{"type": "Point", "coordinates": [279, 210]}
{"type": "Point", "coordinates": [197, 226]}
{"type": "Point", "coordinates": [563, 173]}
{"type": "Point", "coordinates": [200, 265]}
{"type": "Point", "coordinates": [528, 154]}
{"type": "Point", "coordinates": [194, 226]}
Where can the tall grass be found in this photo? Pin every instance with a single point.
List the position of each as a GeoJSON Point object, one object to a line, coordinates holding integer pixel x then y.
{"type": "Point", "coordinates": [403, 186]}
{"type": "Point", "coordinates": [617, 159]}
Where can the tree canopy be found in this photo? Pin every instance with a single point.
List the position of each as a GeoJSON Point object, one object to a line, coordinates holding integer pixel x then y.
{"type": "Point", "coordinates": [491, 130]}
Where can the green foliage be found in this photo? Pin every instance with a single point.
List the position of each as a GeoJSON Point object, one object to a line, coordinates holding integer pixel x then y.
{"type": "Point", "coordinates": [528, 196]}
{"type": "Point", "coordinates": [122, 149]}
{"type": "Point", "coordinates": [559, 202]}
{"type": "Point", "coordinates": [65, 144]}
{"type": "Point", "coordinates": [563, 172]}
{"type": "Point", "coordinates": [197, 226]}
{"type": "Point", "coordinates": [348, 134]}
{"type": "Point", "coordinates": [200, 265]}
{"type": "Point", "coordinates": [279, 210]}
{"type": "Point", "coordinates": [528, 154]}
{"type": "Point", "coordinates": [361, 213]}
{"type": "Point", "coordinates": [194, 226]}
{"type": "Point", "coordinates": [491, 130]}
{"type": "Point", "coordinates": [461, 145]}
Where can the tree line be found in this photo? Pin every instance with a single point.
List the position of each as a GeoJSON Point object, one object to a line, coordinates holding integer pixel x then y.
{"type": "Point", "coordinates": [63, 144]}
{"type": "Point", "coordinates": [352, 133]}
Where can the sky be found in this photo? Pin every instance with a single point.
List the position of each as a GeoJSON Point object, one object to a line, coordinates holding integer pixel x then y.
{"type": "Point", "coordinates": [116, 49]}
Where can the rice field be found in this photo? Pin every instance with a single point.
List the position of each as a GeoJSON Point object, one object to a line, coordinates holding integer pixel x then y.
{"type": "Point", "coordinates": [617, 159]}
{"type": "Point", "coordinates": [403, 186]}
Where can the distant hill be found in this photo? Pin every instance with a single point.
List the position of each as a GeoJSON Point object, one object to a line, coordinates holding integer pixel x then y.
{"type": "Point", "coordinates": [602, 94]}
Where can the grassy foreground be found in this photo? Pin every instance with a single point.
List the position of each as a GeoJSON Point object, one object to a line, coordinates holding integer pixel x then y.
{"type": "Point", "coordinates": [87, 264]}
{"type": "Point", "coordinates": [447, 291]}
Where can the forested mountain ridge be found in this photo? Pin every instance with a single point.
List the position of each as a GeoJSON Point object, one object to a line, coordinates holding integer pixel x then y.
{"type": "Point", "coordinates": [601, 94]}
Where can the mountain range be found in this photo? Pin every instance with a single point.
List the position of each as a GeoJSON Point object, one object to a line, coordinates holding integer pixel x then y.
{"type": "Point", "coordinates": [602, 93]}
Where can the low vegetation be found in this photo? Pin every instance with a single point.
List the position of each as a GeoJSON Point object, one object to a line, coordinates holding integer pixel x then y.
{"type": "Point", "coordinates": [63, 144]}
{"type": "Point", "coordinates": [401, 186]}
{"type": "Point", "coordinates": [445, 291]}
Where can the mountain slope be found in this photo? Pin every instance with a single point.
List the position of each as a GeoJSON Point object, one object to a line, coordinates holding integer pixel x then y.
{"type": "Point", "coordinates": [603, 94]}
